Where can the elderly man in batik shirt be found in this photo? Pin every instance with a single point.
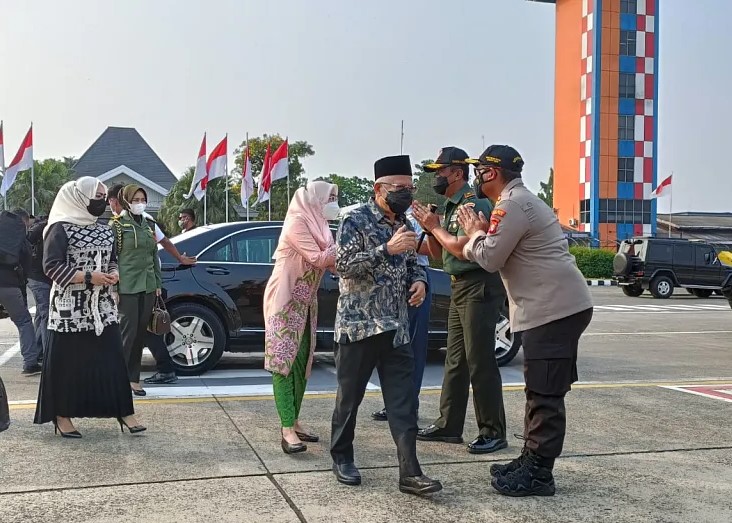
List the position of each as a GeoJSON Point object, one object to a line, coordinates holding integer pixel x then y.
{"type": "Point", "coordinates": [379, 277]}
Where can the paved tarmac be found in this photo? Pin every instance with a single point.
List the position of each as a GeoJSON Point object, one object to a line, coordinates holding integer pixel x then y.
{"type": "Point", "coordinates": [643, 445]}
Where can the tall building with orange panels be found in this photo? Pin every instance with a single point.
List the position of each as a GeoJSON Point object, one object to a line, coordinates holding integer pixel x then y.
{"type": "Point", "coordinates": [605, 117]}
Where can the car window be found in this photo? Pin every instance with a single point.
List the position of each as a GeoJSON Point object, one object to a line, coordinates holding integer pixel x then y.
{"type": "Point", "coordinates": [256, 246]}
{"type": "Point", "coordinates": [221, 252]}
{"type": "Point", "coordinates": [683, 254]}
{"type": "Point", "coordinates": [701, 256]}
{"type": "Point", "coordinates": [659, 252]}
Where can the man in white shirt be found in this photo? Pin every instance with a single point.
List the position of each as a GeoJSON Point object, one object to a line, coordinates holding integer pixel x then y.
{"type": "Point", "coordinates": [164, 364]}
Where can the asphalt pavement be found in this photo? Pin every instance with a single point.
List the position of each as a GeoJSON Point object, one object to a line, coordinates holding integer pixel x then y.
{"type": "Point", "coordinates": [648, 439]}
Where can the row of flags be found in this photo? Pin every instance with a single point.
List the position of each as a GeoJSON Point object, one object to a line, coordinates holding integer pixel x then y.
{"type": "Point", "coordinates": [22, 161]}
{"type": "Point", "coordinates": [275, 167]}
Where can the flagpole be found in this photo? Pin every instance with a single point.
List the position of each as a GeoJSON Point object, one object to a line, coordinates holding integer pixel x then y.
{"type": "Point", "coordinates": [670, 204]}
{"type": "Point", "coordinates": [33, 183]}
{"type": "Point", "coordinates": [288, 171]}
{"type": "Point", "coordinates": [205, 202]}
{"type": "Point", "coordinates": [269, 200]}
{"type": "Point", "coordinates": [2, 157]}
{"type": "Point", "coordinates": [401, 141]}
{"type": "Point", "coordinates": [245, 171]}
{"type": "Point", "coordinates": [226, 179]}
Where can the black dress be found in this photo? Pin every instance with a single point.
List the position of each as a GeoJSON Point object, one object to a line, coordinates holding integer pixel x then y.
{"type": "Point", "coordinates": [84, 373]}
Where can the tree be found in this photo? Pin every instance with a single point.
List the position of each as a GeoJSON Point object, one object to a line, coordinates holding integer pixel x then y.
{"type": "Point", "coordinates": [278, 193]}
{"type": "Point", "coordinates": [425, 193]}
{"type": "Point", "coordinates": [351, 189]}
{"type": "Point", "coordinates": [49, 175]}
{"type": "Point", "coordinates": [176, 200]}
{"type": "Point", "coordinates": [547, 190]}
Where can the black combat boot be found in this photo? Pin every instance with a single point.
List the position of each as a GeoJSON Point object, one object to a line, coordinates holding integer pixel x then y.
{"type": "Point", "coordinates": [498, 469]}
{"type": "Point", "coordinates": [532, 478]}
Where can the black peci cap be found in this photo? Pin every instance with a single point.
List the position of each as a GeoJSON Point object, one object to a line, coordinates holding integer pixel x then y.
{"type": "Point", "coordinates": [446, 157]}
{"type": "Point", "coordinates": [503, 156]}
{"type": "Point", "coordinates": [393, 166]}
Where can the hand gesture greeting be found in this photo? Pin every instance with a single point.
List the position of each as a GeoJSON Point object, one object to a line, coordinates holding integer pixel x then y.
{"type": "Point", "coordinates": [403, 240]}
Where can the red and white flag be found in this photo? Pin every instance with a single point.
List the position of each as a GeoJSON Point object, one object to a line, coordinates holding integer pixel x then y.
{"type": "Point", "coordinates": [23, 161]}
{"type": "Point", "coordinates": [663, 189]}
{"type": "Point", "coordinates": [216, 165]}
{"type": "Point", "coordinates": [247, 180]}
{"type": "Point", "coordinates": [265, 179]}
{"type": "Point", "coordinates": [200, 173]}
{"type": "Point", "coordinates": [280, 162]}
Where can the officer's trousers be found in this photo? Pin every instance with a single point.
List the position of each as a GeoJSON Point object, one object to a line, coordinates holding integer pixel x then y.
{"type": "Point", "coordinates": [354, 364]}
{"type": "Point", "coordinates": [477, 298]}
{"type": "Point", "coordinates": [550, 368]}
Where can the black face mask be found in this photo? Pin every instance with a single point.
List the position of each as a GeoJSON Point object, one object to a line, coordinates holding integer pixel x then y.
{"type": "Point", "coordinates": [477, 188]}
{"type": "Point", "coordinates": [399, 201]}
{"type": "Point", "coordinates": [97, 207]}
{"type": "Point", "coordinates": [440, 184]}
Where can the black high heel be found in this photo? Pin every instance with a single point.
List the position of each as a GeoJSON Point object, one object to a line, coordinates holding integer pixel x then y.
{"type": "Point", "coordinates": [133, 430]}
{"type": "Point", "coordinates": [74, 434]}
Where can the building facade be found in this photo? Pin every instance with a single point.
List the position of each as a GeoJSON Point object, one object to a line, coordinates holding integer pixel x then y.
{"type": "Point", "coordinates": [605, 120]}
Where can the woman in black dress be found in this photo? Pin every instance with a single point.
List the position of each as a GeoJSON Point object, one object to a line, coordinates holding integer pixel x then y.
{"type": "Point", "coordinates": [84, 373]}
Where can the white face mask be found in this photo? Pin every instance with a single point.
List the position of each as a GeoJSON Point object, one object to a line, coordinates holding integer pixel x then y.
{"type": "Point", "coordinates": [137, 208]}
{"type": "Point", "coordinates": [331, 211]}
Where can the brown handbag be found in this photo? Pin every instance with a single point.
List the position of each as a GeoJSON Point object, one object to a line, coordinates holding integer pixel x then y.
{"type": "Point", "coordinates": [160, 319]}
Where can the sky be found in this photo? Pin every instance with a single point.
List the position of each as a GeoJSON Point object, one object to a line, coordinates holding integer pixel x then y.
{"type": "Point", "coordinates": [342, 76]}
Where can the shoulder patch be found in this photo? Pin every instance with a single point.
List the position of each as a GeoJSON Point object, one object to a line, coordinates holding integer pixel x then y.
{"type": "Point", "coordinates": [469, 204]}
{"type": "Point", "coordinates": [469, 195]}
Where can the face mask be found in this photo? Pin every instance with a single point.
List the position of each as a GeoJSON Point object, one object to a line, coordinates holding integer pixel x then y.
{"type": "Point", "coordinates": [399, 201]}
{"type": "Point", "coordinates": [96, 207]}
{"type": "Point", "coordinates": [331, 211]}
{"type": "Point", "coordinates": [477, 188]}
{"type": "Point", "coordinates": [138, 208]}
{"type": "Point", "coordinates": [181, 224]}
{"type": "Point", "coordinates": [440, 184]}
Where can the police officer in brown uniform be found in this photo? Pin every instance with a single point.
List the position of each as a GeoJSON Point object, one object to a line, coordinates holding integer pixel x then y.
{"type": "Point", "coordinates": [550, 304]}
{"type": "Point", "coordinates": [475, 302]}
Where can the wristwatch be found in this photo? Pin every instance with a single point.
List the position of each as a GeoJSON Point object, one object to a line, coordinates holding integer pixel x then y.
{"type": "Point", "coordinates": [87, 278]}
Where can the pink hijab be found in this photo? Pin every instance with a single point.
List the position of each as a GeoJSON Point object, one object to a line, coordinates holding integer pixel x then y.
{"type": "Point", "coordinates": [307, 204]}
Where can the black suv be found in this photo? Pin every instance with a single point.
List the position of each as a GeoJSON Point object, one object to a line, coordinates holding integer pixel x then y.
{"type": "Point", "coordinates": [660, 264]}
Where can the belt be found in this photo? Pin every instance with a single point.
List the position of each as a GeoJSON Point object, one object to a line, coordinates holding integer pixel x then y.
{"type": "Point", "coordinates": [456, 277]}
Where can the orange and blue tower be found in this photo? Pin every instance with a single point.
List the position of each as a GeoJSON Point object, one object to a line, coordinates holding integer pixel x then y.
{"type": "Point", "coordinates": [606, 117]}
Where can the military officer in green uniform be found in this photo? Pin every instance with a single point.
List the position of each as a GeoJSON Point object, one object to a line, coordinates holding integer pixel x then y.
{"type": "Point", "coordinates": [476, 299]}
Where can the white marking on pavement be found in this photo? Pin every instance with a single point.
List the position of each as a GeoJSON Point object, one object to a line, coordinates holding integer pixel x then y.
{"type": "Point", "coordinates": [8, 354]}
{"type": "Point", "coordinates": [222, 374]}
{"type": "Point", "coordinates": [697, 393]}
{"type": "Point", "coordinates": [653, 333]}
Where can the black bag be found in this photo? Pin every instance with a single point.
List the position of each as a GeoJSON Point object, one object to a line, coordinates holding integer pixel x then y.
{"type": "Point", "coordinates": [12, 239]}
{"type": "Point", "coordinates": [4, 408]}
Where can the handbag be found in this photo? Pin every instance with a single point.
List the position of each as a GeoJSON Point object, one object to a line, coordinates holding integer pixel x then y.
{"type": "Point", "coordinates": [4, 408]}
{"type": "Point", "coordinates": [160, 319]}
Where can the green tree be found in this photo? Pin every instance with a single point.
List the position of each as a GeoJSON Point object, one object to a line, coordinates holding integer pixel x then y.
{"type": "Point", "coordinates": [425, 193]}
{"type": "Point", "coordinates": [351, 189]}
{"type": "Point", "coordinates": [49, 175]}
{"type": "Point", "coordinates": [546, 192]}
{"type": "Point", "coordinates": [215, 205]}
{"type": "Point", "coordinates": [278, 194]}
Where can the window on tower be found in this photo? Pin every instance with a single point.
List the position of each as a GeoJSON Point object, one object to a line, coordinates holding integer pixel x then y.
{"type": "Point", "coordinates": [626, 169]}
{"type": "Point", "coordinates": [626, 89]}
{"type": "Point", "coordinates": [585, 211]}
{"type": "Point", "coordinates": [627, 43]}
{"type": "Point", "coordinates": [626, 127]}
{"type": "Point", "coordinates": [625, 211]}
{"type": "Point", "coordinates": [629, 6]}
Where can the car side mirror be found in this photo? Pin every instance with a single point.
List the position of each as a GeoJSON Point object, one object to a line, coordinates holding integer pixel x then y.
{"type": "Point", "coordinates": [708, 258]}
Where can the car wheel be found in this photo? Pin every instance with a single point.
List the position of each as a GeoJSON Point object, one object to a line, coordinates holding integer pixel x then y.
{"type": "Point", "coordinates": [662, 287]}
{"type": "Point", "coordinates": [508, 342]}
{"type": "Point", "coordinates": [702, 293]}
{"type": "Point", "coordinates": [196, 340]}
{"type": "Point", "coordinates": [632, 290]}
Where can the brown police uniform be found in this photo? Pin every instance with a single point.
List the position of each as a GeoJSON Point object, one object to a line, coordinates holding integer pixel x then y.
{"type": "Point", "coordinates": [550, 304]}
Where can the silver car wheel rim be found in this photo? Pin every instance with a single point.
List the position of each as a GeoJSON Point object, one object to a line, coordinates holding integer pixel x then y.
{"type": "Point", "coordinates": [664, 287]}
{"type": "Point", "coordinates": [504, 337]}
{"type": "Point", "coordinates": [190, 341]}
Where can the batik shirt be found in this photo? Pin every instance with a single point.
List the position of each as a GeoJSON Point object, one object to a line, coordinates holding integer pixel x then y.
{"type": "Point", "coordinates": [374, 285]}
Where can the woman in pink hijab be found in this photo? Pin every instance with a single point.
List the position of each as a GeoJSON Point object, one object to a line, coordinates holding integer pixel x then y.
{"type": "Point", "coordinates": [305, 250]}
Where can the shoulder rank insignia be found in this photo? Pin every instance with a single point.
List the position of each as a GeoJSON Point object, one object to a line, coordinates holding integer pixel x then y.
{"type": "Point", "coordinates": [469, 195]}
{"type": "Point", "coordinates": [498, 212]}
{"type": "Point", "coordinates": [469, 204]}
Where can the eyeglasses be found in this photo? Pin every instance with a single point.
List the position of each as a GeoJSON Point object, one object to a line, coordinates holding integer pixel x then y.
{"type": "Point", "coordinates": [400, 187]}
{"type": "Point", "coordinates": [480, 171]}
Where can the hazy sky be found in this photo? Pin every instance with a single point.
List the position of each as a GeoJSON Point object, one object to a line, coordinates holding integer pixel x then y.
{"type": "Point", "coordinates": [342, 75]}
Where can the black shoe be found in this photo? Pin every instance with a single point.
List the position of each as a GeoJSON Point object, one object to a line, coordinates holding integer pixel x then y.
{"type": "Point", "coordinates": [379, 415]}
{"type": "Point", "coordinates": [139, 392]}
{"type": "Point", "coordinates": [161, 378]}
{"type": "Point", "coordinates": [133, 430]}
{"type": "Point", "coordinates": [293, 448]}
{"type": "Point", "coordinates": [484, 445]}
{"type": "Point", "coordinates": [533, 478]}
{"type": "Point", "coordinates": [74, 434]}
{"type": "Point", "coordinates": [498, 469]}
{"type": "Point", "coordinates": [347, 473]}
{"type": "Point", "coordinates": [419, 485]}
{"type": "Point", "coordinates": [33, 370]}
{"type": "Point", "coordinates": [433, 433]}
{"type": "Point", "coordinates": [305, 436]}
